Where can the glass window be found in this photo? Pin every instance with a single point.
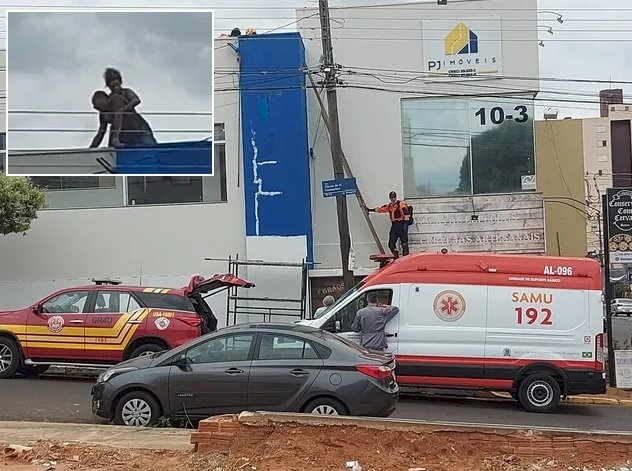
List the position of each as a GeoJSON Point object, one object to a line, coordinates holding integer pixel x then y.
{"type": "Point", "coordinates": [344, 318]}
{"type": "Point", "coordinates": [172, 190]}
{"type": "Point", "coordinates": [115, 301]}
{"type": "Point", "coordinates": [283, 347]}
{"type": "Point", "coordinates": [165, 301]}
{"type": "Point", "coordinates": [461, 146]}
{"type": "Point", "coordinates": [68, 302]}
{"type": "Point", "coordinates": [223, 349]}
{"type": "Point", "coordinates": [74, 183]}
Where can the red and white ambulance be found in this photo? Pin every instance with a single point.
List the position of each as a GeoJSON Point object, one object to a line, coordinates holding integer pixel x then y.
{"type": "Point", "coordinates": [530, 325]}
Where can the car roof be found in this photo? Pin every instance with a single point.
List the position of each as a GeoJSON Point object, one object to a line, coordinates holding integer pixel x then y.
{"type": "Point", "coordinates": [271, 326]}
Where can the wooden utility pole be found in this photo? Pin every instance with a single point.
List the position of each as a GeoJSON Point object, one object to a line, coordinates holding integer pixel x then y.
{"type": "Point", "coordinates": [329, 69]}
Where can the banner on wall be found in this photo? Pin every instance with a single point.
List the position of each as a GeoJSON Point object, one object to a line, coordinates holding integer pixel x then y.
{"type": "Point", "coordinates": [620, 224]}
{"type": "Point", "coordinates": [458, 48]}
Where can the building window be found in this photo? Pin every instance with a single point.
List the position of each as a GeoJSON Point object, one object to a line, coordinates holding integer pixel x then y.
{"type": "Point", "coordinates": [465, 146]}
{"type": "Point", "coordinates": [115, 191]}
{"type": "Point", "coordinates": [601, 129]}
{"type": "Point", "coordinates": [74, 183]}
{"type": "Point", "coordinates": [174, 190]}
{"type": "Point", "coordinates": [602, 158]}
{"type": "Point", "coordinates": [602, 143]}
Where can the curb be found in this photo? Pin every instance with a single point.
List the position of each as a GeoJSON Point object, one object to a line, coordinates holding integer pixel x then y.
{"type": "Point", "coordinates": [583, 400]}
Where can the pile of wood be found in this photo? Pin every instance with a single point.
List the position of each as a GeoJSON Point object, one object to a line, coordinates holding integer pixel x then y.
{"type": "Point", "coordinates": [217, 434]}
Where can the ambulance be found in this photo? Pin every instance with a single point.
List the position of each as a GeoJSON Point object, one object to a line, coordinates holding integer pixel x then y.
{"type": "Point", "coordinates": [528, 325]}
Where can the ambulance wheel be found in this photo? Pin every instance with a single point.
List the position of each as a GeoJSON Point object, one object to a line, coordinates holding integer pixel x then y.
{"type": "Point", "coordinates": [10, 357]}
{"type": "Point", "coordinates": [539, 393]}
{"type": "Point", "coordinates": [146, 349]}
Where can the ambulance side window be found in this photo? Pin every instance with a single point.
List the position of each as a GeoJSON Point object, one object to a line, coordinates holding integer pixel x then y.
{"type": "Point", "coordinates": [342, 320]}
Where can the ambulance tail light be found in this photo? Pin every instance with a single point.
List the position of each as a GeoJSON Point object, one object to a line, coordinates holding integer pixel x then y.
{"type": "Point", "coordinates": [192, 320]}
{"type": "Point", "coordinates": [599, 356]}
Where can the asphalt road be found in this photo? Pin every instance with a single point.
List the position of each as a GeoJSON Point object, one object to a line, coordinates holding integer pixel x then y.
{"type": "Point", "coordinates": [68, 400]}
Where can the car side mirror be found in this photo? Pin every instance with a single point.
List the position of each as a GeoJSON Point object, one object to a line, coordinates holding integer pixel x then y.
{"type": "Point", "coordinates": [183, 362]}
{"type": "Point", "coordinates": [37, 310]}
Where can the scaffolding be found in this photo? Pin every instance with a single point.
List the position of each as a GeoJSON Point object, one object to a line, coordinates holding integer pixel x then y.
{"type": "Point", "coordinates": [290, 308]}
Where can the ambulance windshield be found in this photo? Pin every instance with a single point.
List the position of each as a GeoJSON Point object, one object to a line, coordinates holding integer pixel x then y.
{"type": "Point", "coordinates": [340, 300]}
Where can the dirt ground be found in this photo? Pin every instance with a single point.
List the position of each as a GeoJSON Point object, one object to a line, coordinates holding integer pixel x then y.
{"type": "Point", "coordinates": [323, 449]}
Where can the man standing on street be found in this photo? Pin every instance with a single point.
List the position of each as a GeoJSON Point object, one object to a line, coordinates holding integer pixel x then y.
{"type": "Point", "coordinates": [401, 216]}
{"type": "Point", "coordinates": [371, 322]}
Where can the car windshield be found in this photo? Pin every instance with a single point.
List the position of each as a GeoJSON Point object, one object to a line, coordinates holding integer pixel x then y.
{"type": "Point", "coordinates": [340, 300]}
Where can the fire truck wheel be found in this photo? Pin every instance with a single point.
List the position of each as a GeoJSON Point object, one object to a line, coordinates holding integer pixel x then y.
{"type": "Point", "coordinates": [539, 392]}
{"type": "Point", "coordinates": [146, 349]}
{"type": "Point", "coordinates": [10, 357]}
{"type": "Point", "coordinates": [137, 409]}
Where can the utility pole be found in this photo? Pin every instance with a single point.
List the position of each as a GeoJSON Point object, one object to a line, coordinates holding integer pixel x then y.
{"type": "Point", "coordinates": [329, 68]}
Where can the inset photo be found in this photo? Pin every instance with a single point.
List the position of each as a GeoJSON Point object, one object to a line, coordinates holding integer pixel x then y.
{"type": "Point", "coordinates": [111, 91]}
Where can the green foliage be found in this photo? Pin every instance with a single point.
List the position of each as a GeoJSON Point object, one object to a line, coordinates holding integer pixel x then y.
{"type": "Point", "coordinates": [20, 200]}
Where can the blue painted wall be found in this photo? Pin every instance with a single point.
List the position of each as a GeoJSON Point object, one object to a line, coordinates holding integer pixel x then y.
{"type": "Point", "coordinates": [275, 139]}
{"type": "Point", "coordinates": [170, 158]}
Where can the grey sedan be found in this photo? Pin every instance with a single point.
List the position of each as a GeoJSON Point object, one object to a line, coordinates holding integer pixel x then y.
{"type": "Point", "coordinates": [257, 367]}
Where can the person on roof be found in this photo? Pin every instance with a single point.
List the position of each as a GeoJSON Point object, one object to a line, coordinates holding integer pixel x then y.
{"type": "Point", "coordinates": [401, 217]}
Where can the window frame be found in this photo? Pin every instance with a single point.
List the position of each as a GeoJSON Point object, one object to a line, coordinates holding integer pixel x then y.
{"type": "Point", "coordinates": [119, 292]}
{"type": "Point", "coordinates": [502, 99]}
{"type": "Point", "coordinates": [86, 305]}
{"type": "Point", "coordinates": [261, 335]}
{"type": "Point", "coordinates": [249, 356]}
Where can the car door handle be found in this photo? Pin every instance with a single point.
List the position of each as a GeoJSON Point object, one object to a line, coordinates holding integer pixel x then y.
{"type": "Point", "coordinates": [233, 371]}
{"type": "Point", "coordinates": [75, 321]}
{"type": "Point", "coordinates": [299, 372]}
{"type": "Point", "coordinates": [391, 335]}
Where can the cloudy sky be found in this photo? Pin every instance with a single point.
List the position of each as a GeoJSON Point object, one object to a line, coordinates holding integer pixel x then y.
{"type": "Point", "coordinates": [593, 43]}
{"type": "Point", "coordinates": [56, 61]}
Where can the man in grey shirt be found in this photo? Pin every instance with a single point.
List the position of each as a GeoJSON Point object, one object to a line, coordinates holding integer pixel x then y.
{"type": "Point", "coordinates": [371, 322]}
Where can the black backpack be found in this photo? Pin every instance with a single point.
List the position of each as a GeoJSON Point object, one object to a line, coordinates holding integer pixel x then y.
{"type": "Point", "coordinates": [410, 213]}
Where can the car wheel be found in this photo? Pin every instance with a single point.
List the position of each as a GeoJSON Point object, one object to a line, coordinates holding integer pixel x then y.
{"type": "Point", "coordinates": [10, 357]}
{"type": "Point", "coordinates": [33, 371]}
{"type": "Point", "coordinates": [539, 393]}
{"type": "Point", "coordinates": [137, 409]}
{"type": "Point", "coordinates": [325, 406]}
{"type": "Point", "coordinates": [146, 349]}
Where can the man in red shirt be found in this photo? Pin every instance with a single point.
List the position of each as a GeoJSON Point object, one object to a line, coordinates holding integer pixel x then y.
{"type": "Point", "coordinates": [400, 214]}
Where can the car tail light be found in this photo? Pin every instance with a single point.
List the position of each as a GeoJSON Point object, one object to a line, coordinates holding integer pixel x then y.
{"type": "Point", "coordinates": [599, 352]}
{"type": "Point", "coordinates": [193, 321]}
{"type": "Point", "coordinates": [375, 371]}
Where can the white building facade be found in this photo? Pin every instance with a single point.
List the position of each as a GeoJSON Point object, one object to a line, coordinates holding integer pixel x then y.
{"type": "Point", "coordinates": [459, 148]}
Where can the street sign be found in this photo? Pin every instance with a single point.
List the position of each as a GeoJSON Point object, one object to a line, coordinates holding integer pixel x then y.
{"type": "Point", "coordinates": [342, 187]}
{"type": "Point", "coordinates": [623, 361]}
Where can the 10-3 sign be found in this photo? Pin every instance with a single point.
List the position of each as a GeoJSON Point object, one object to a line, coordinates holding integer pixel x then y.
{"type": "Point", "coordinates": [497, 115]}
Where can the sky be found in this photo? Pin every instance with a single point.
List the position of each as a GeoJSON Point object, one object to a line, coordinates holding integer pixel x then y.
{"type": "Point", "coordinates": [56, 61]}
{"type": "Point", "coordinates": [592, 43]}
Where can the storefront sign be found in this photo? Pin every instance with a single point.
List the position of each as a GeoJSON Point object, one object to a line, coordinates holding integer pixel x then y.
{"type": "Point", "coordinates": [499, 223]}
{"type": "Point", "coordinates": [321, 287]}
{"type": "Point", "coordinates": [620, 224]}
{"type": "Point", "coordinates": [462, 48]}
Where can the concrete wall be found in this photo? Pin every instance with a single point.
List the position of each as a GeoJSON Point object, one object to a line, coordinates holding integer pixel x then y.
{"type": "Point", "coordinates": [560, 171]}
{"type": "Point", "coordinates": [158, 245]}
{"type": "Point", "coordinates": [371, 121]}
